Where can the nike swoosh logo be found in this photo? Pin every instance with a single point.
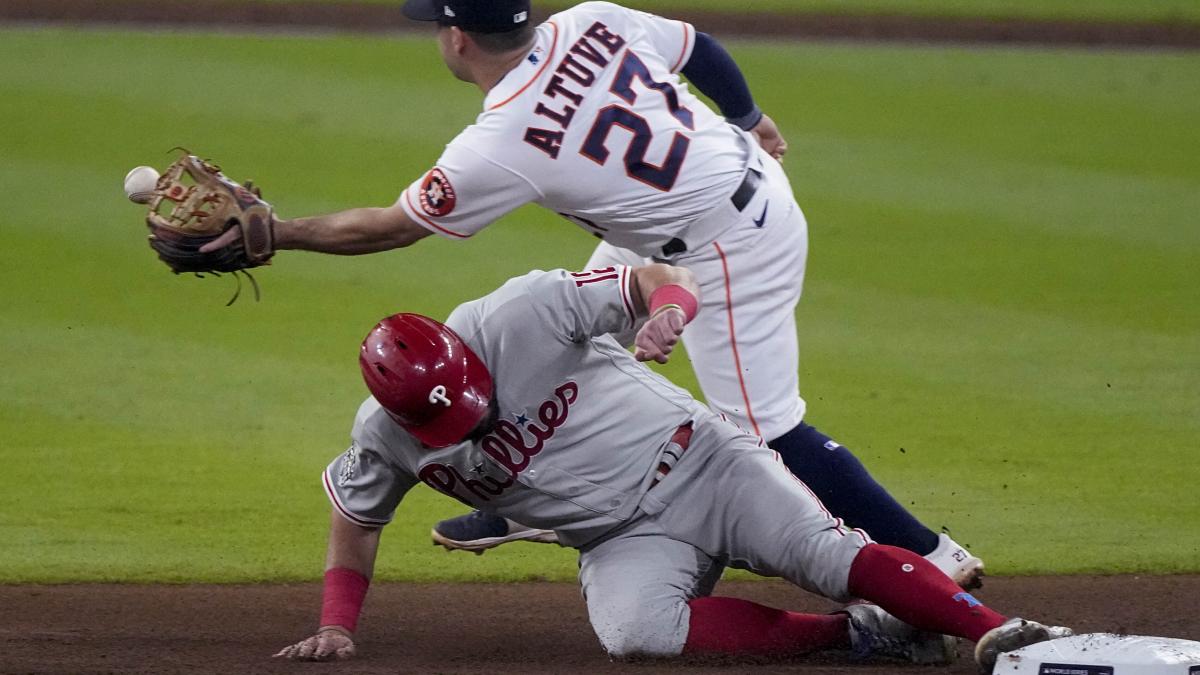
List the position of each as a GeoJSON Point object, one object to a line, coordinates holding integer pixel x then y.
{"type": "Point", "coordinates": [758, 222]}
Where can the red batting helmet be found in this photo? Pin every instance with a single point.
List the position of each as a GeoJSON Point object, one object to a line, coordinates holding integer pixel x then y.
{"type": "Point", "coordinates": [426, 378]}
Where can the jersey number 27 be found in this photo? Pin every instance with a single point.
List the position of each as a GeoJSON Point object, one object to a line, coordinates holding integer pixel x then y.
{"type": "Point", "coordinates": [595, 148]}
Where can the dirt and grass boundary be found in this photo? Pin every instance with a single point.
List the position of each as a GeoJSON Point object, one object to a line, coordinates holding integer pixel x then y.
{"type": "Point", "coordinates": [377, 18]}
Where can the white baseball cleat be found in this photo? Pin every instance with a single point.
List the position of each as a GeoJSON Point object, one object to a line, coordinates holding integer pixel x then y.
{"type": "Point", "coordinates": [478, 531]}
{"type": "Point", "coordinates": [957, 563]}
{"type": "Point", "coordinates": [1012, 635]}
{"type": "Point", "coordinates": [874, 632]}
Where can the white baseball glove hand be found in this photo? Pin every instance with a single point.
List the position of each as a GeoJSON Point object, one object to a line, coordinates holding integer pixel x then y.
{"type": "Point", "coordinates": [329, 643]}
{"type": "Point", "coordinates": [657, 338]}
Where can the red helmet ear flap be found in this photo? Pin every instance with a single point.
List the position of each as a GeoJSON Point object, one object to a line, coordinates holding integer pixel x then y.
{"type": "Point", "coordinates": [426, 377]}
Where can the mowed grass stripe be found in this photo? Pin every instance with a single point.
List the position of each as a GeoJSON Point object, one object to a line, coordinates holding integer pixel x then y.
{"type": "Point", "coordinates": [1002, 261]}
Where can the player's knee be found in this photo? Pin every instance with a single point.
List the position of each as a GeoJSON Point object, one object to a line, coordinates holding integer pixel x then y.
{"type": "Point", "coordinates": [824, 559]}
{"type": "Point", "coordinates": [643, 632]}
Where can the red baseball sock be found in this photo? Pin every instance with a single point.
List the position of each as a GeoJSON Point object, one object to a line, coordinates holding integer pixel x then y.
{"type": "Point", "coordinates": [915, 591]}
{"type": "Point", "coordinates": [734, 626]}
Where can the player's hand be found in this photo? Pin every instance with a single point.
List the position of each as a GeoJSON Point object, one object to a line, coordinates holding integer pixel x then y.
{"type": "Point", "coordinates": [329, 643]}
{"type": "Point", "coordinates": [658, 336]}
{"type": "Point", "coordinates": [769, 138]}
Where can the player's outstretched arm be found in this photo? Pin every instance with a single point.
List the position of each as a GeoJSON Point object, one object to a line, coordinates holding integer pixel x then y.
{"type": "Point", "coordinates": [671, 297]}
{"type": "Point", "coordinates": [348, 568]}
{"type": "Point", "coordinates": [351, 232]}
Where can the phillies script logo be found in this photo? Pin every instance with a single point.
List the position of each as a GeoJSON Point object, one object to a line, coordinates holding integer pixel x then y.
{"type": "Point", "coordinates": [510, 446]}
{"type": "Point", "coordinates": [437, 194]}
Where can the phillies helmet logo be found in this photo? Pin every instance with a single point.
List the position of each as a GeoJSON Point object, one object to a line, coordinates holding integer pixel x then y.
{"type": "Point", "coordinates": [438, 395]}
{"type": "Point", "coordinates": [437, 194]}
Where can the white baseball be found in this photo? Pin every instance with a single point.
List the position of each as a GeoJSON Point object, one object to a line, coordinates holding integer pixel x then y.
{"type": "Point", "coordinates": [139, 184]}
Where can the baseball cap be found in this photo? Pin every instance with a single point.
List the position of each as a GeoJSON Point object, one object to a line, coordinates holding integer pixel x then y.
{"type": "Point", "coordinates": [480, 16]}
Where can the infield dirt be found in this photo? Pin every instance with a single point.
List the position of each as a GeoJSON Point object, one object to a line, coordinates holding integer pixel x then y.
{"type": "Point", "coordinates": [478, 628]}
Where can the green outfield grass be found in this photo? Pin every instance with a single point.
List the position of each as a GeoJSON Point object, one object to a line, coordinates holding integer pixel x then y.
{"type": "Point", "coordinates": [1000, 313]}
{"type": "Point", "coordinates": [1089, 10]}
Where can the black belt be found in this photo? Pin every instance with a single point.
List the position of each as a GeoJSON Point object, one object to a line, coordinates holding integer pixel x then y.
{"type": "Point", "coordinates": [745, 192]}
{"type": "Point", "coordinates": [741, 197]}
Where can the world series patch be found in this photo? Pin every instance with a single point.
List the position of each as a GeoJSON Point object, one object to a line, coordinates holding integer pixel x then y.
{"type": "Point", "coordinates": [349, 463]}
{"type": "Point", "coordinates": [437, 194]}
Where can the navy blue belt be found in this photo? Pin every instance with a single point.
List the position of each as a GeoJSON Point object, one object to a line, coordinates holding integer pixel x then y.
{"type": "Point", "coordinates": [740, 198]}
{"type": "Point", "coordinates": [745, 192]}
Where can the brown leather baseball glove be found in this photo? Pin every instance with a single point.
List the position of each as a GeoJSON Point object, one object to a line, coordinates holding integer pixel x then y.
{"type": "Point", "coordinates": [193, 204]}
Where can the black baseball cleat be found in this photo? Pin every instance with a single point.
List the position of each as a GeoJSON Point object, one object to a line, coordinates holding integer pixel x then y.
{"type": "Point", "coordinates": [478, 531]}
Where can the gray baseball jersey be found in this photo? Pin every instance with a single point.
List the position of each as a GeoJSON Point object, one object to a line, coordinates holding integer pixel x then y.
{"type": "Point", "coordinates": [578, 449]}
{"type": "Point", "coordinates": [582, 424]}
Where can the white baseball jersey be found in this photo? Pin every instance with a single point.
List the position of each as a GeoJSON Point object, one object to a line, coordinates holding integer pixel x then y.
{"type": "Point", "coordinates": [596, 125]}
{"type": "Point", "coordinates": [582, 424]}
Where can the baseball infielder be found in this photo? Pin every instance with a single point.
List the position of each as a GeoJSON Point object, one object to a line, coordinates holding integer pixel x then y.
{"type": "Point", "coordinates": [524, 406]}
{"type": "Point", "coordinates": [586, 115]}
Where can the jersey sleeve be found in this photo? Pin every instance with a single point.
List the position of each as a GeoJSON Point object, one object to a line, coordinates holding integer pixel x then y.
{"type": "Point", "coordinates": [465, 192]}
{"type": "Point", "coordinates": [582, 305]}
{"type": "Point", "coordinates": [363, 487]}
{"type": "Point", "coordinates": [672, 39]}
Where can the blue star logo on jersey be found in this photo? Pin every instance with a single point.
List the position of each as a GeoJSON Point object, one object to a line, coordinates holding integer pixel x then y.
{"type": "Point", "coordinates": [520, 419]}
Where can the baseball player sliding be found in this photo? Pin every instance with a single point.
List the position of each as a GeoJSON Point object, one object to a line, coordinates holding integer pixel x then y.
{"type": "Point", "coordinates": [586, 115]}
{"type": "Point", "coordinates": [523, 405]}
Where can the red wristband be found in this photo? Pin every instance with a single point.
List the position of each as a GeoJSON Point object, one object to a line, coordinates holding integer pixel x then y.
{"type": "Point", "coordinates": [674, 294]}
{"type": "Point", "coordinates": [342, 599]}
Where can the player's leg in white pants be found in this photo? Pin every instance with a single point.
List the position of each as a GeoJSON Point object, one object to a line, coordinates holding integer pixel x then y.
{"type": "Point", "coordinates": [742, 506]}
{"type": "Point", "coordinates": [743, 342]}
